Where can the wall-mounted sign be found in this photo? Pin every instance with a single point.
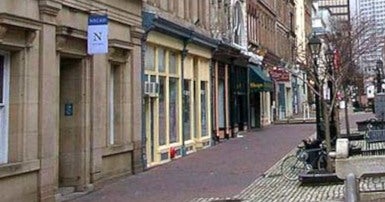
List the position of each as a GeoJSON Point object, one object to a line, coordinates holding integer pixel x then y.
{"type": "Point", "coordinates": [97, 38]}
{"type": "Point", "coordinates": [68, 109]}
{"type": "Point", "coordinates": [280, 74]}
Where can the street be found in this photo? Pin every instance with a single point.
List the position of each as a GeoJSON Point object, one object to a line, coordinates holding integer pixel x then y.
{"type": "Point", "coordinates": [209, 174]}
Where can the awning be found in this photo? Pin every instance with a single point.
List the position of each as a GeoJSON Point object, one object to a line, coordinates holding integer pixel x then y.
{"type": "Point", "coordinates": [259, 81]}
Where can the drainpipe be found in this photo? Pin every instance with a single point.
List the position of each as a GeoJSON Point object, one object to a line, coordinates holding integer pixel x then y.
{"type": "Point", "coordinates": [184, 54]}
{"type": "Point", "coordinates": [248, 107]}
{"type": "Point", "coordinates": [144, 138]}
{"type": "Point", "coordinates": [211, 102]}
{"type": "Point", "coordinates": [212, 96]}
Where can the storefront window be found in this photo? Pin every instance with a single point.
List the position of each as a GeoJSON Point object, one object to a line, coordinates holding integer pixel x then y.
{"type": "Point", "coordinates": [149, 62]}
{"type": "Point", "coordinates": [162, 112]}
{"type": "Point", "coordinates": [1, 79]}
{"type": "Point", "coordinates": [204, 108]}
{"type": "Point", "coordinates": [173, 90]}
{"type": "Point", "coordinates": [172, 63]}
{"type": "Point", "coordinates": [221, 103]}
{"type": "Point", "coordinates": [161, 59]}
{"type": "Point", "coordinates": [186, 110]}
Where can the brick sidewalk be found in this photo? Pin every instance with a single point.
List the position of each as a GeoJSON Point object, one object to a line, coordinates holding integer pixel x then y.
{"type": "Point", "coordinates": [240, 168]}
{"type": "Point", "coordinates": [273, 187]}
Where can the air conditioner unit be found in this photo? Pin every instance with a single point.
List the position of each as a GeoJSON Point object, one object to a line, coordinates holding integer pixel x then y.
{"type": "Point", "coordinates": [151, 89]}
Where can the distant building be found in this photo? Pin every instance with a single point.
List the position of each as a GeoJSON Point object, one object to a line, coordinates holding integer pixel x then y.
{"type": "Point", "coordinates": [339, 9]}
{"type": "Point", "coordinates": [372, 10]}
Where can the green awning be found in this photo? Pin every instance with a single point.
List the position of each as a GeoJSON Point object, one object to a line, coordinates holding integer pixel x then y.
{"type": "Point", "coordinates": [259, 81]}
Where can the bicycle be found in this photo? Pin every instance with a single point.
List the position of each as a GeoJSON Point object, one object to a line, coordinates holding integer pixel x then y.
{"type": "Point", "coordinates": [305, 160]}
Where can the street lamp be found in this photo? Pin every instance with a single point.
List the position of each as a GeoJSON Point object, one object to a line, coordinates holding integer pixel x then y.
{"type": "Point", "coordinates": [329, 54]}
{"type": "Point", "coordinates": [315, 48]}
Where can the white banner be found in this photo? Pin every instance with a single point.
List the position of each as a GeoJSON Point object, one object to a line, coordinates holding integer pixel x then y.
{"type": "Point", "coordinates": [97, 39]}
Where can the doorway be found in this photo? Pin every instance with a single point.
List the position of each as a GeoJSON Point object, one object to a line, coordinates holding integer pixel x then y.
{"type": "Point", "coordinates": [72, 124]}
{"type": "Point", "coordinates": [255, 110]}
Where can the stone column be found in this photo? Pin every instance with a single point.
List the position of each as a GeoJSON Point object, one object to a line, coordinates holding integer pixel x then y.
{"type": "Point", "coordinates": [99, 115]}
{"type": "Point", "coordinates": [48, 123]}
{"type": "Point", "coordinates": [136, 101]}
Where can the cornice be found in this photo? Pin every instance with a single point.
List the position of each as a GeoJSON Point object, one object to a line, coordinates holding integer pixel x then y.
{"type": "Point", "coordinates": [114, 13]}
{"type": "Point", "coordinates": [120, 44]}
{"type": "Point", "coordinates": [18, 21]}
{"type": "Point", "coordinates": [72, 32]}
{"type": "Point", "coordinates": [49, 7]}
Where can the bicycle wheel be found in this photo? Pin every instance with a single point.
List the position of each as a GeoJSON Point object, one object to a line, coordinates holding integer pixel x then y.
{"type": "Point", "coordinates": [291, 167]}
{"type": "Point", "coordinates": [322, 162]}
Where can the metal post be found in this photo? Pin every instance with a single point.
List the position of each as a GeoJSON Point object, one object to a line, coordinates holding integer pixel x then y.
{"type": "Point", "coordinates": [184, 54]}
{"type": "Point", "coordinates": [317, 100]}
{"type": "Point", "coordinates": [351, 191]}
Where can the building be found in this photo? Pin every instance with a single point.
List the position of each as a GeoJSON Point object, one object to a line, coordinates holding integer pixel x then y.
{"type": "Point", "coordinates": [177, 59]}
{"type": "Point", "coordinates": [339, 9]}
{"type": "Point", "coordinates": [374, 12]}
{"type": "Point", "coordinates": [303, 30]}
{"type": "Point", "coordinates": [274, 39]}
{"type": "Point", "coordinates": [260, 83]}
{"type": "Point", "coordinates": [68, 119]}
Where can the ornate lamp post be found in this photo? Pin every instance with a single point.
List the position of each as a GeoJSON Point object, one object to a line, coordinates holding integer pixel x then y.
{"type": "Point", "coordinates": [315, 48]}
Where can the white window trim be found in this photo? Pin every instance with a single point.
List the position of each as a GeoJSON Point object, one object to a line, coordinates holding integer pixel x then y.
{"type": "Point", "coordinates": [4, 111]}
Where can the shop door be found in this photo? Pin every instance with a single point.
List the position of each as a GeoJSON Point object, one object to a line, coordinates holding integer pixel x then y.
{"type": "Point", "coordinates": [255, 110]}
{"type": "Point", "coordinates": [4, 107]}
{"type": "Point", "coordinates": [72, 139]}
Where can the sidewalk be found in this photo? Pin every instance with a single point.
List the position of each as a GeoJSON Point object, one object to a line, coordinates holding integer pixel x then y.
{"type": "Point", "coordinates": [273, 187]}
{"type": "Point", "coordinates": [224, 170]}
{"type": "Point", "coordinates": [239, 169]}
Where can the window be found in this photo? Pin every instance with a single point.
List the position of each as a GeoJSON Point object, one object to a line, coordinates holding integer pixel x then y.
{"type": "Point", "coordinates": [186, 110]}
{"type": "Point", "coordinates": [237, 23]}
{"type": "Point", "coordinates": [162, 111]}
{"type": "Point", "coordinates": [204, 108]}
{"type": "Point", "coordinates": [115, 105]}
{"type": "Point", "coordinates": [150, 58]}
{"type": "Point", "coordinates": [161, 59]}
{"type": "Point", "coordinates": [172, 68]}
{"type": "Point", "coordinates": [173, 110]}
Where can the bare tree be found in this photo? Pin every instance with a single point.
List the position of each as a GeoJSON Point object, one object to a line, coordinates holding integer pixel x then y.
{"type": "Point", "coordinates": [349, 41]}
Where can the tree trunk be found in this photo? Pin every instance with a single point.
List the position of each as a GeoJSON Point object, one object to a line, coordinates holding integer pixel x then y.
{"type": "Point", "coordinates": [346, 113]}
{"type": "Point", "coordinates": [326, 118]}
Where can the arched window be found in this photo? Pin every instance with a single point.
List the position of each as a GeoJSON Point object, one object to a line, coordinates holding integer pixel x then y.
{"type": "Point", "coordinates": [238, 23]}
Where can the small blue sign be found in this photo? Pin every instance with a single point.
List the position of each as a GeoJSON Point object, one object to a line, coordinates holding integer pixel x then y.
{"type": "Point", "coordinates": [68, 109]}
{"type": "Point", "coordinates": [97, 20]}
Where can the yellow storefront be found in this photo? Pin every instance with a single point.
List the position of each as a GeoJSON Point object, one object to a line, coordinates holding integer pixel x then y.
{"type": "Point", "coordinates": [177, 98]}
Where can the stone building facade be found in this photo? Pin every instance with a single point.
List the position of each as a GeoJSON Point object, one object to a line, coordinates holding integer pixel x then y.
{"type": "Point", "coordinates": [177, 73]}
{"type": "Point", "coordinates": [68, 119]}
{"type": "Point", "coordinates": [274, 38]}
